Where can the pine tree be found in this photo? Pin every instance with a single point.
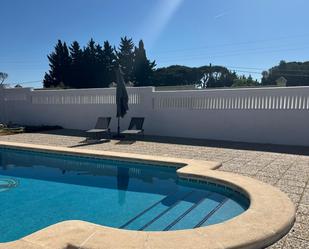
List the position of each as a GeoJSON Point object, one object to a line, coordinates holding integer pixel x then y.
{"type": "Point", "coordinates": [125, 58]}
{"type": "Point", "coordinates": [109, 59]}
{"type": "Point", "coordinates": [90, 65]}
{"type": "Point", "coordinates": [143, 69]}
{"type": "Point", "coordinates": [77, 74]}
{"type": "Point", "coordinates": [59, 62]}
{"type": "Point", "coordinates": [99, 74]}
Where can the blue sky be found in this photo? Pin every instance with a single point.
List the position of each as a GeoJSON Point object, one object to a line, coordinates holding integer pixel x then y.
{"type": "Point", "coordinates": [245, 35]}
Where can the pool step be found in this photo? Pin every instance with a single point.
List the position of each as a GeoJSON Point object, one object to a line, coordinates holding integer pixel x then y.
{"type": "Point", "coordinates": [227, 210]}
{"type": "Point", "coordinates": [211, 213]}
{"type": "Point", "coordinates": [140, 214]}
{"type": "Point", "coordinates": [188, 213]}
{"type": "Point", "coordinates": [180, 210]}
{"type": "Point", "coordinates": [184, 214]}
{"type": "Point", "coordinates": [164, 212]}
{"type": "Point", "coordinates": [154, 210]}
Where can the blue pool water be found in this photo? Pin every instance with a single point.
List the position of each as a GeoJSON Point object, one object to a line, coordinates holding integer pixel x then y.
{"type": "Point", "coordinates": [40, 189]}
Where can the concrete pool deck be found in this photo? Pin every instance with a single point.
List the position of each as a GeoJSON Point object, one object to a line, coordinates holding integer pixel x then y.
{"type": "Point", "coordinates": [286, 171]}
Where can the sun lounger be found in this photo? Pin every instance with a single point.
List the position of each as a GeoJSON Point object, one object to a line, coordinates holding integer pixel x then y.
{"type": "Point", "coordinates": [135, 127]}
{"type": "Point", "coordinates": [101, 127]}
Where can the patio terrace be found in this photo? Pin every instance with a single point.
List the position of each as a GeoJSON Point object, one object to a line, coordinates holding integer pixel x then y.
{"type": "Point", "coordinates": [285, 167]}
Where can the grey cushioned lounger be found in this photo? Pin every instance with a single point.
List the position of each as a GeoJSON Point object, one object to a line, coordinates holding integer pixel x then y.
{"type": "Point", "coordinates": [102, 126]}
{"type": "Point", "coordinates": [135, 127]}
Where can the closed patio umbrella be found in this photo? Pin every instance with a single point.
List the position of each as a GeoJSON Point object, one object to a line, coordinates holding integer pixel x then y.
{"type": "Point", "coordinates": [122, 98]}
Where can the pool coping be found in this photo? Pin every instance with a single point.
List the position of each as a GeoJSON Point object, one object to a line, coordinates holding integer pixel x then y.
{"type": "Point", "coordinates": [270, 216]}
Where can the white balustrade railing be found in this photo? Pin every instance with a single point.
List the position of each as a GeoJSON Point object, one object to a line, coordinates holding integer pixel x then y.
{"type": "Point", "coordinates": [263, 115]}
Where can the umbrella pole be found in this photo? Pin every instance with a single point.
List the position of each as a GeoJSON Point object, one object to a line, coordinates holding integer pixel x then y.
{"type": "Point", "coordinates": [118, 131]}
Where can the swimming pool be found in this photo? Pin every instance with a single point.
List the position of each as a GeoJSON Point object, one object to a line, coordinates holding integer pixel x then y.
{"type": "Point", "coordinates": [38, 189]}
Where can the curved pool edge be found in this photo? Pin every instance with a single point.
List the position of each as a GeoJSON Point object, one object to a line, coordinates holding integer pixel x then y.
{"type": "Point", "coordinates": [270, 216]}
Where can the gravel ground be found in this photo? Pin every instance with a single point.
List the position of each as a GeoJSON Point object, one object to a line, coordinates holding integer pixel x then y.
{"type": "Point", "coordinates": [284, 167]}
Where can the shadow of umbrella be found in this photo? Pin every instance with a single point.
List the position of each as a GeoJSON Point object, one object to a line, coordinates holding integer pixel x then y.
{"type": "Point", "coordinates": [122, 183]}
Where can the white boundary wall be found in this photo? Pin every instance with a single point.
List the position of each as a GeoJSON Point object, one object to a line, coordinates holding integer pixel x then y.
{"type": "Point", "coordinates": [261, 115]}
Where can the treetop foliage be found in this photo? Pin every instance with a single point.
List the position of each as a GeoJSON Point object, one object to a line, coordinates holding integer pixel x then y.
{"type": "Point", "coordinates": [93, 66]}
{"type": "Point", "coordinates": [203, 77]}
{"type": "Point", "coordinates": [295, 73]}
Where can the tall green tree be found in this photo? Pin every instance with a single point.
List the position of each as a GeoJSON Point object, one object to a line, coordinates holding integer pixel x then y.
{"type": "Point", "coordinates": [77, 74]}
{"type": "Point", "coordinates": [143, 68]}
{"type": "Point", "coordinates": [90, 65]}
{"type": "Point", "coordinates": [99, 66]}
{"type": "Point", "coordinates": [109, 62]}
{"type": "Point", "coordinates": [60, 63]}
{"type": "Point", "coordinates": [125, 58]}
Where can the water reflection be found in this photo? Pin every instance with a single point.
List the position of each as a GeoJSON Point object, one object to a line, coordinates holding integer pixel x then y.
{"type": "Point", "coordinates": [80, 171]}
{"type": "Point", "coordinates": [123, 178]}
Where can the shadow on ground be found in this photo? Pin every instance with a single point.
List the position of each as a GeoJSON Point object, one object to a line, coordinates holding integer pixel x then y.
{"type": "Point", "coordinates": [298, 150]}
{"type": "Point", "coordinates": [70, 246]}
{"type": "Point", "coordinates": [87, 143]}
{"type": "Point", "coordinates": [125, 142]}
